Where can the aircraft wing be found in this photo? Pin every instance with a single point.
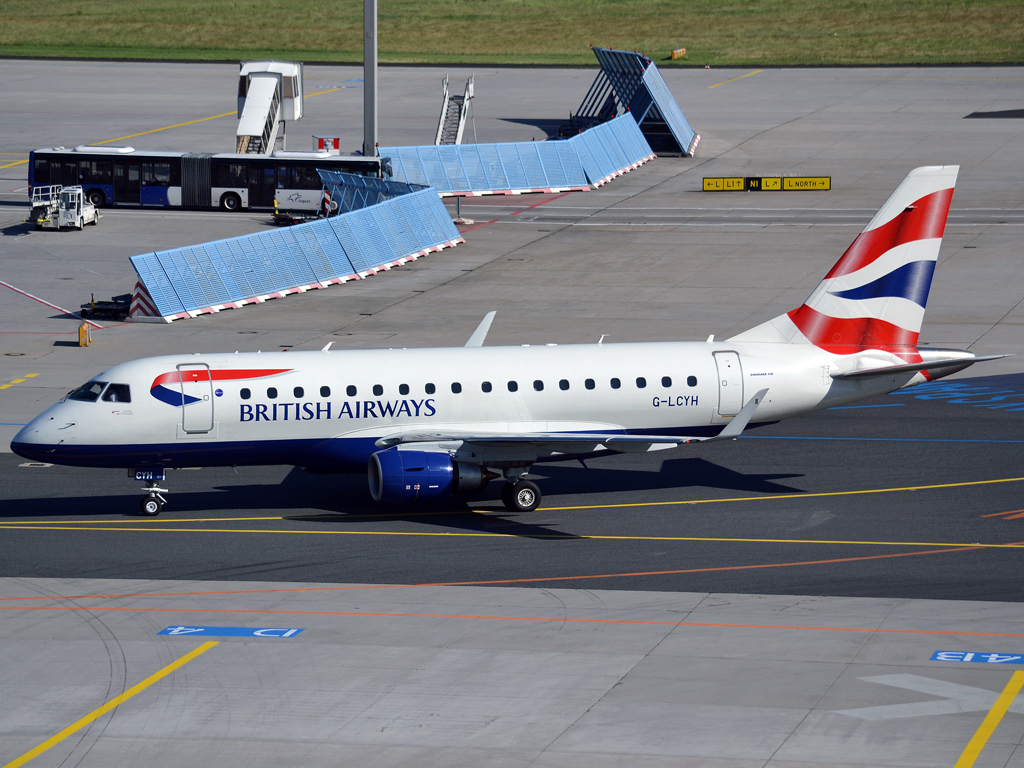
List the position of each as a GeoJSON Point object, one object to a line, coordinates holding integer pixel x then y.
{"type": "Point", "coordinates": [580, 442]}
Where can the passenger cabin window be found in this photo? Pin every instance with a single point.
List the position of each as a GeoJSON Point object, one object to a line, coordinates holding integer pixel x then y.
{"type": "Point", "coordinates": [403, 389]}
{"type": "Point", "coordinates": [298, 392]}
{"type": "Point", "coordinates": [118, 393]}
{"type": "Point", "coordinates": [430, 389]}
{"type": "Point", "coordinates": [589, 384]}
{"type": "Point", "coordinates": [244, 393]}
{"type": "Point", "coordinates": [615, 383]}
{"type": "Point", "coordinates": [350, 391]}
{"type": "Point", "coordinates": [456, 387]}
{"type": "Point", "coordinates": [325, 391]}
{"type": "Point", "coordinates": [563, 384]}
{"type": "Point", "coordinates": [691, 381]}
{"type": "Point", "coordinates": [378, 390]}
{"type": "Point", "coordinates": [666, 381]}
{"type": "Point", "coordinates": [641, 382]}
{"type": "Point", "coordinates": [486, 386]}
{"type": "Point", "coordinates": [513, 386]}
{"type": "Point", "coordinates": [538, 385]}
{"type": "Point", "coordinates": [272, 393]}
{"type": "Point", "coordinates": [88, 393]}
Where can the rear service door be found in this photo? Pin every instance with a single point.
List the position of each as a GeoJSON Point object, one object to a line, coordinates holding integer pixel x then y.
{"type": "Point", "coordinates": [197, 395]}
{"type": "Point", "coordinates": [730, 383]}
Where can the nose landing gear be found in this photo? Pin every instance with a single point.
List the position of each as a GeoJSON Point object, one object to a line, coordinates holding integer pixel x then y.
{"type": "Point", "coordinates": [153, 501]}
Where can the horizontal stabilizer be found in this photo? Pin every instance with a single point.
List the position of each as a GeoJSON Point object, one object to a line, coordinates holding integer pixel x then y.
{"type": "Point", "coordinates": [931, 365]}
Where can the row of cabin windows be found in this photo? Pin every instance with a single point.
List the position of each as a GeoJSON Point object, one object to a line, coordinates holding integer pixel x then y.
{"type": "Point", "coordinates": [485, 386]}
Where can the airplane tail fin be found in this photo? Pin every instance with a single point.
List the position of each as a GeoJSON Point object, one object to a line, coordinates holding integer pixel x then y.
{"type": "Point", "coordinates": [875, 295]}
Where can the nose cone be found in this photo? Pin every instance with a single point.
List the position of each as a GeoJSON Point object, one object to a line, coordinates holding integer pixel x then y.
{"type": "Point", "coordinates": [36, 440]}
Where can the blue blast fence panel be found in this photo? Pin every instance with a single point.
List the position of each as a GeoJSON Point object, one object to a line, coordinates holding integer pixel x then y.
{"type": "Point", "coordinates": [403, 224]}
{"type": "Point", "coordinates": [593, 157]}
{"type": "Point", "coordinates": [351, 191]}
{"type": "Point", "coordinates": [630, 82]}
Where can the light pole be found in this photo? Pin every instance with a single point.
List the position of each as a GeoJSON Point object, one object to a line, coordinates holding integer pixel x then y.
{"type": "Point", "coordinates": [370, 78]}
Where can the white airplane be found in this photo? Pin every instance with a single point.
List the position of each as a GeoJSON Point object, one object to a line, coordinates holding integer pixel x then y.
{"type": "Point", "coordinates": [429, 423]}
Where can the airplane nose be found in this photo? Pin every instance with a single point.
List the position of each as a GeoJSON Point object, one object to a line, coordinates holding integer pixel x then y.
{"type": "Point", "coordinates": [34, 439]}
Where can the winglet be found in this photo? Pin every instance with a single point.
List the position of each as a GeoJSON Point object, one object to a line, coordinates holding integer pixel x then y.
{"type": "Point", "coordinates": [739, 422]}
{"type": "Point", "coordinates": [477, 339]}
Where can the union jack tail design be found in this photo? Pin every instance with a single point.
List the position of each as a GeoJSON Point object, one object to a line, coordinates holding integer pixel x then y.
{"type": "Point", "coordinates": [875, 295]}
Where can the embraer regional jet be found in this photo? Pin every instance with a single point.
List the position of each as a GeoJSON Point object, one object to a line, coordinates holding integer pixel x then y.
{"type": "Point", "coordinates": [425, 424]}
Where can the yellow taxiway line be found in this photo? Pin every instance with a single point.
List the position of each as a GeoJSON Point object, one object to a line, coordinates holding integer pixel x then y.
{"type": "Point", "coordinates": [112, 704]}
{"type": "Point", "coordinates": [988, 725]}
{"type": "Point", "coordinates": [477, 535]}
{"type": "Point", "coordinates": [736, 78]}
{"type": "Point", "coordinates": [165, 521]}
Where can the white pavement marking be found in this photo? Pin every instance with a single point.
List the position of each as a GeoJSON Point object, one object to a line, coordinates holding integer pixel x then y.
{"type": "Point", "coordinates": [955, 699]}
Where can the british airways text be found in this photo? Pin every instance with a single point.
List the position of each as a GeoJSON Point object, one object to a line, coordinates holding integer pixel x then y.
{"type": "Point", "coordinates": [353, 409]}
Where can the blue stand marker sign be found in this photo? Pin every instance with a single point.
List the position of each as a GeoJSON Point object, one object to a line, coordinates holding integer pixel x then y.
{"type": "Point", "coordinates": [231, 631]}
{"type": "Point", "coordinates": [984, 658]}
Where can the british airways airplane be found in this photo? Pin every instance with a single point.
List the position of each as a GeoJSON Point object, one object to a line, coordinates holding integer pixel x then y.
{"type": "Point", "coordinates": [425, 424]}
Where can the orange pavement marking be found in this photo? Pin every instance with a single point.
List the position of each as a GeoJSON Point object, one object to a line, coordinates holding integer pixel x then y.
{"type": "Point", "coordinates": [1000, 514]}
{"type": "Point", "coordinates": [495, 581]}
{"type": "Point", "coordinates": [559, 619]}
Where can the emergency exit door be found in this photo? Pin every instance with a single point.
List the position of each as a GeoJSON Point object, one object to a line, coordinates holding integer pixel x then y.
{"type": "Point", "coordinates": [197, 398]}
{"type": "Point", "coordinates": [730, 383]}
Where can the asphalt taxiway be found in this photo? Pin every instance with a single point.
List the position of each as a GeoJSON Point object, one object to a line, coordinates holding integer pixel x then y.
{"type": "Point", "coordinates": [777, 600]}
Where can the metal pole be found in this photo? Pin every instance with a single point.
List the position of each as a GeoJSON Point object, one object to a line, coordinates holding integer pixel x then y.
{"type": "Point", "coordinates": [370, 78]}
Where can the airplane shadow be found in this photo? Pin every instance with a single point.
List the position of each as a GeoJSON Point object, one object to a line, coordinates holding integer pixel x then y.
{"type": "Point", "coordinates": [344, 499]}
{"type": "Point", "coordinates": [548, 126]}
{"type": "Point", "coordinates": [682, 473]}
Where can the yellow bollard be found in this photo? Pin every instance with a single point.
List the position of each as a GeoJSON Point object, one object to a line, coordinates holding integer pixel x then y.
{"type": "Point", "coordinates": [84, 335]}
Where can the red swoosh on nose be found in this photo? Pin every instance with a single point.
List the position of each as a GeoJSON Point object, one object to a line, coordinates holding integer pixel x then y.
{"type": "Point", "coordinates": [224, 375]}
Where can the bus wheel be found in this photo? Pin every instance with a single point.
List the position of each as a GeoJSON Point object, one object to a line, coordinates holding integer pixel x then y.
{"type": "Point", "coordinates": [229, 201]}
{"type": "Point", "coordinates": [97, 198]}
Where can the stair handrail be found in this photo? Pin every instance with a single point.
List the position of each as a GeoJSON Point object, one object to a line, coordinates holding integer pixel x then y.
{"type": "Point", "coordinates": [444, 112]}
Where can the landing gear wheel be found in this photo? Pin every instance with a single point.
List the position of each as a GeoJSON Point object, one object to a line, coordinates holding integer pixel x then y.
{"type": "Point", "coordinates": [151, 506]}
{"type": "Point", "coordinates": [524, 496]}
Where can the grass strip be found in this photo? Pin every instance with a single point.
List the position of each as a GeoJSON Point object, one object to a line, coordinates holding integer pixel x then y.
{"type": "Point", "coordinates": [544, 32]}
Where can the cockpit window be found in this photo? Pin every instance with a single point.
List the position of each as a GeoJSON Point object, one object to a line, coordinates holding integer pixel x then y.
{"type": "Point", "coordinates": [118, 393]}
{"type": "Point", "coordinates": [89, 392]}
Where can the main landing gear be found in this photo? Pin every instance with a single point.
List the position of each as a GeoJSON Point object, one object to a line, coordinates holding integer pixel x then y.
{"type": "Point", "coordinates": [520, 495]}
{"type": "Point", "coordinates": [154, 501]}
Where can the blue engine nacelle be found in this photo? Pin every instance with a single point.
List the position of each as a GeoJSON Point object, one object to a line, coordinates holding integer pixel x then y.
{"type": "Point", "coordinates": [408, 476]}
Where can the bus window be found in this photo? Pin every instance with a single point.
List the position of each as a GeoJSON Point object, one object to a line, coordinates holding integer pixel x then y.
{"type": "Point", "coordinates": [306, 178]}
{"type": "Point", "coordinates": [156, 174]}
{"type": "Point", "coordinates": [283, 182]}
{"type": "Point", "coordinates": [69, 175]}
{"type": "Point", "coordinates": [95, 171]}
{"type": "Point", "coordinates": [40, 172]}
{"type": "Point", "coordinates": [228, 175]}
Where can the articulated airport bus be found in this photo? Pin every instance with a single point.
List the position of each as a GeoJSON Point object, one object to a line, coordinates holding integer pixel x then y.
{"type": "Point", "coordinates": [126, 176]}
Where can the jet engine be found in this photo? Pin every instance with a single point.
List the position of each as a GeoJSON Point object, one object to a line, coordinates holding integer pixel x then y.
{"type": "Point", "coordinates": [408, 476]}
